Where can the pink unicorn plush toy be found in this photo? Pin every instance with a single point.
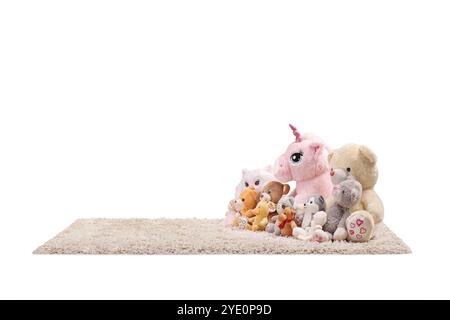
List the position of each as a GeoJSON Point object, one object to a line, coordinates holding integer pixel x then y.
{"type": "Point", "coordinates": [306, 162]}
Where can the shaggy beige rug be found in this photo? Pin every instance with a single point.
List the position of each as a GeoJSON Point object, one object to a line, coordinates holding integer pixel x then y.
{"type": "Point", "coordinates": [198, 236]}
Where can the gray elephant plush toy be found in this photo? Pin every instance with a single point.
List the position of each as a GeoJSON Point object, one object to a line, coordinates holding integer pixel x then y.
{"type": "Point", "coordinates": [345, 195]}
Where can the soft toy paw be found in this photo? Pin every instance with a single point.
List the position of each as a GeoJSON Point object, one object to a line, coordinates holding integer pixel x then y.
{"type": "Point", "coordinates": [320, 236]}
{"type": "Point", "coordinates": [360, 226]}
{"type": "Point", "coordinates": [270, 228]}
{"type": "Point", "coordinates": [314, 232]}
{"type": "Point", "coordinates": [319, 219]}
{"type": "Point", "coordinates": [300, 233]}
{"type": "Point", "coordinates": [340, 234]}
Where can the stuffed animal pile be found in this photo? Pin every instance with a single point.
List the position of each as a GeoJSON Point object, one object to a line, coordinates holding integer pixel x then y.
{"type": "Point", "coordinates": [334, 197]}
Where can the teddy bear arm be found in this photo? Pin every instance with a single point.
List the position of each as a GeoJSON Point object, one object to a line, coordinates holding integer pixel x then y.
{"type": "Point", "coordinates": [373, 204]}
{"type": "Point", "coordinates": [264, 222]}
{"type": "Point", "coordinates": [249, 213]}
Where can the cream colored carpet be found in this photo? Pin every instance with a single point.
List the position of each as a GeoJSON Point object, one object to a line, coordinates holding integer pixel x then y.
{"type": "Point", "coordinates": [198, 236]}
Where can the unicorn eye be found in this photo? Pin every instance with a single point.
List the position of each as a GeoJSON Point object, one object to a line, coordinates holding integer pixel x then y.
{"type": "Point", "coordinates": [296, 158]}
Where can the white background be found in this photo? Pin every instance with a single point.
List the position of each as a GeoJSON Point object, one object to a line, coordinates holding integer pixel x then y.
{"type": "Point", "coordinates": [151, 109]}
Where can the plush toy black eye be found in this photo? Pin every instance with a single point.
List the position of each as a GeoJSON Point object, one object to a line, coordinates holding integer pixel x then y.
{"type": "Point", "coordinates": [269, 192]}
{"type": "Point", "coordinates": [311, 202]}
{"type": "Point", "coordinates": [243, 200]}
{"type": "Point", "coordinates": [246, 184]}
{"type": "Point", "coordinates": [283, 207]}
{"type": "Point", "coordinates": [348, 169]}
{"type": "Point", "coordinates": [257, 183]}
{"type": "Point", "coordinates": [296, 157]}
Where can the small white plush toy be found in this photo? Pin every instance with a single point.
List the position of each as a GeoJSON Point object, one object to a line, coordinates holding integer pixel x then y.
{"type": "Point", "coordinates": [314, 232]}
{"type": "Point", "coordinates": [313, 219]}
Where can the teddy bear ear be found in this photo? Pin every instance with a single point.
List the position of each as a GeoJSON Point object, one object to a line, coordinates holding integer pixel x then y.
{"type": "Point", "coordinates": [286, 188]}
{"type": "Point", "coordinates": [368, 154]}
{"type": "Point", "coordinates": [330, 155]}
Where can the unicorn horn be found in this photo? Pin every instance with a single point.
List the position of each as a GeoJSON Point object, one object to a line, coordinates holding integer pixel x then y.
{"type": "Point", "coordinates": [298, 136]}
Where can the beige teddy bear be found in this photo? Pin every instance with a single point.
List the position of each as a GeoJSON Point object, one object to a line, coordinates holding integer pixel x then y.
{"type": "Point", "coordinates": [359, 162]}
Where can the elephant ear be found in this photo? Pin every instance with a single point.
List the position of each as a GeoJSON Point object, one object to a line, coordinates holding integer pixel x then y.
{"type": "Point", "coordinates": [281, 169]}
{"type": "Point", "coordinates": [355, 195]}
{"type": "Point", "coordinates": [368, 154]}
{"type": "Point", "coordinates": [356, 191]}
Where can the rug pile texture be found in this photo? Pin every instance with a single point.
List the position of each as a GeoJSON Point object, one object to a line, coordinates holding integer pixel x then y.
{"type": "Point", "coordinates": [198, 236]}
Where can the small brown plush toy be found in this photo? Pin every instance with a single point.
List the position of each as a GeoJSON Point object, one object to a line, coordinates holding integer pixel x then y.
{"type": "Point", "coordinates": [276, 190]}
{"type": "Point", "coordinates": [273, 191]}
{"type": "Point", "coordinates": [287, 223]}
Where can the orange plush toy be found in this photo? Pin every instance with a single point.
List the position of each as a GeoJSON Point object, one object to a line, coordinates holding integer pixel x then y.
{"type": "Point", "coordinates": [287, 223]}
{"type": "Point", "coordinates": [249, 199]}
